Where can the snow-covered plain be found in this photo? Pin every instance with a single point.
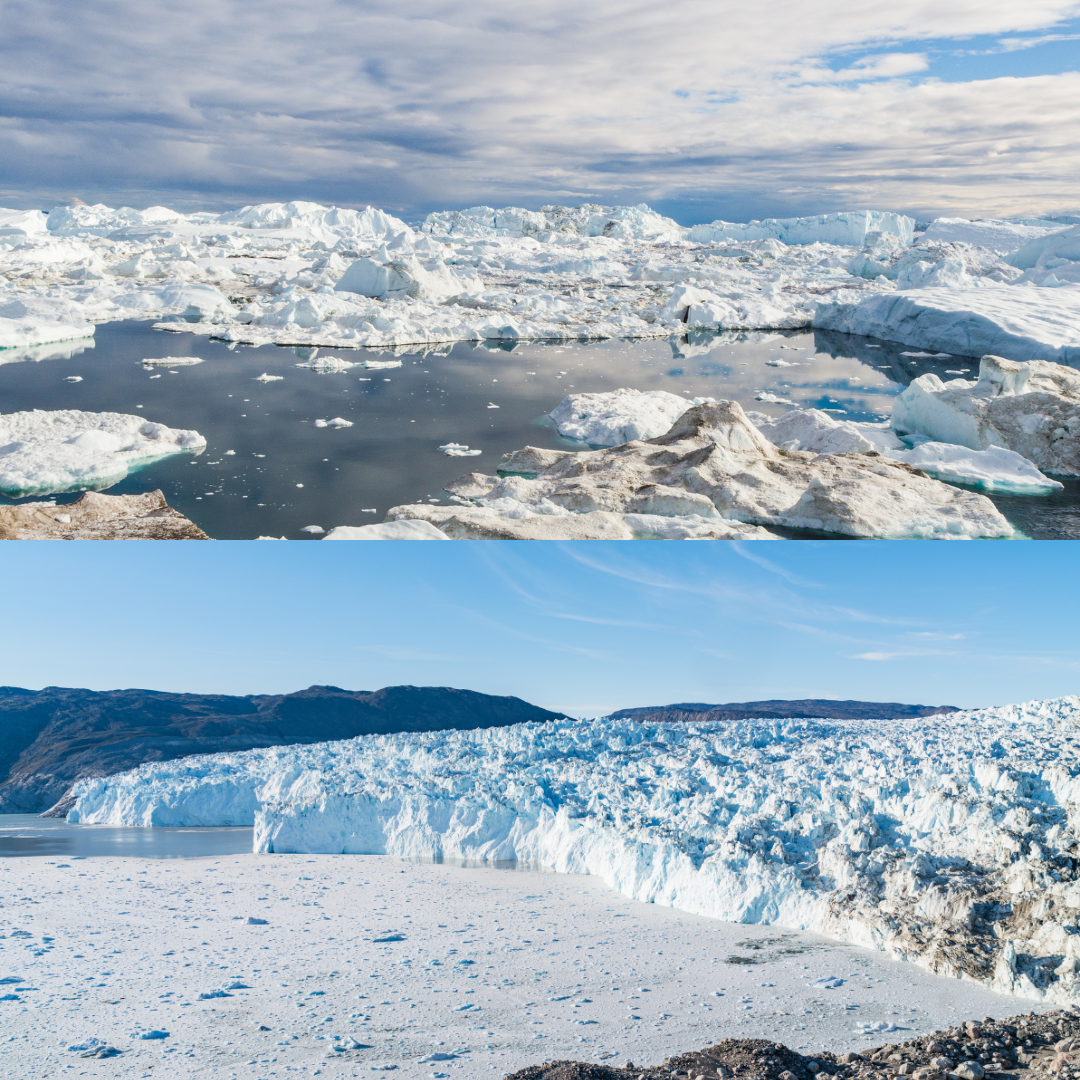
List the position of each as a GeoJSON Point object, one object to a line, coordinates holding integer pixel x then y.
{"type": "Point", "coordinates": [947, 841]}
{"type": "Point", "coordinates": [424, 970]}
{"type": "Point", "coordinates": [304, 274]}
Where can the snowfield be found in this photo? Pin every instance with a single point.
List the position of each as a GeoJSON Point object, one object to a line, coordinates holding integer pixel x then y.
{"type": "Point", "coordinates": [949, 841]}
{"type": "Point", "coordinates": [300, 273]}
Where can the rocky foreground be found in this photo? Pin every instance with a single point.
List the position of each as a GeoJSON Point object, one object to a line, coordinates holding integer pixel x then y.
{"type": "Point", "coordinates": [1022, 1047]}
{"type": "Point", "coordinates": [94, 516]}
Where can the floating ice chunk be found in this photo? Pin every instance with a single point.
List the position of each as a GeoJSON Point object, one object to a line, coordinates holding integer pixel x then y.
{"type": "Point", "coordinates": [316, 530]}
{"type": "Point", "coordinates": [1020, 323]}
{"type": "Point", "coordinates": [877, 1025]}
{"type": "Point", "coordinates": [264, 378]}
{"type": "Point", "coordinates": [331, 364]}
{"type": "Point", "coordinates": [23, 332]}
{"type": "Point", "coordinates": [388, 530]}
{"type": "Point", "coordinates": [994, 469]}
{"type": "Point", "coordinates": [152, 1033]}
{"type": "Point", "coordinates": [1032, 408]}
{"type": "Point", "coordinates": [42, 452]}
{"type": "Point", "coordinates": [337, 422]}
{"type": "Point", "coordinates": [819, 433]}
{"type": "Point", "coordinates": [210, 995]}
{"type": "Point", "coordinates": [73, 378]}
{"type": "Point", "coordinates": [780, 363]}
{"type": "Point", "coordinates": [459, 450]}
{"type": "Point", "coordinates": [772, 399]}
{"type": "Point", "coordinates": [172, 361]}
{"type": "Point", "coordinates": [618, 416]}
{"type": "Point", "coordinates": [927, 355]}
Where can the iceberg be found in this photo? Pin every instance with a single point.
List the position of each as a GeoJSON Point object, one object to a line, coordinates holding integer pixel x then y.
{"type": "Point", "coordinates": [42, 452]}
{"type": "Point", "coordinates": [1064, 245]}
{"type": "Point", "coordinates": [926, 838]}
{"type": "Point", "coordinates": [1008, 320]}
{"type": "Point", "coordinates": [712, 475]}
{"type": "Point", "coordinates": [1031, 408]}
{"type": "Point", "coordinates": [853, 228]}
{"type": "Point", "coordinates": [387, 530]}
{"type": "Point", "coordinates": [618, 416]}
{"type": "Point", "coordinates": [26, 333]}
{"type": "Point", "coordinates": [1000, 237]}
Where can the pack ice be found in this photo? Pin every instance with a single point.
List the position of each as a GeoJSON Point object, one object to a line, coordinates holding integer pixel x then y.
{"type": "Point", "coordinates": [302, 273]}
{"type": "Point", "coordinates": [42, 452]}
{"type": "Point", "coordinates": [948, 841]}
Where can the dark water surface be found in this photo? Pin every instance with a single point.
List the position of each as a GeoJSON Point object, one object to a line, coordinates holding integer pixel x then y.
{"type": "Point", "coordinates": [285, 473]}
{"type": "Point", "coordinates": [28, 834]}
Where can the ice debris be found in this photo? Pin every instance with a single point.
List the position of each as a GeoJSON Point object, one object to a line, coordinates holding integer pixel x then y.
{"type": "Point", "coordinates": [1031, 408]}
{"type": "Point", "coordinates": [712, 475]}
{"type": "Point", "coordinates": [336, 422]}
{"type": "Point", "coordinates": [173, 361]}
{"type": "Point", "coordinates": [994, 469]}
{"type": "Point", "coordinates": [64, 450]}
{"type": "Point", "coordinates": [388, 530]}
{"type": "Point", "coordinates": [946, 840]}
{"type": "Point", "coordinates": [459, 450]}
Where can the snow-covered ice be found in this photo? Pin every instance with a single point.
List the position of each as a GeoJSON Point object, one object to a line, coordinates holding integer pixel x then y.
{"type": "Point", "coordinates": [378, 962]}
{"type": "Point", "coordinates": [64, 450]}
{"type": "Point", "coordinates": [820, 433]}
{"type": "Point", "coordinates": [388, 530]}
{"type": "Point", "coordinates": [944, 841]}
{"type": "Point", "coordinates": [1032, 408]}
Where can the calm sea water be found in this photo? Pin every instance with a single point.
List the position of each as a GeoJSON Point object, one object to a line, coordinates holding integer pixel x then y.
{"type": "Point", "coordinates": [27, 834]}
{"type": "Point", "coordinates": [286, 473]}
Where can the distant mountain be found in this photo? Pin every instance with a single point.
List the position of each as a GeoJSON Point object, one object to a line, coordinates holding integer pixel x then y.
{"type": "Point", "coordinates": [50, 738]}
{"type": "Point", "coordinates": [807, 708]}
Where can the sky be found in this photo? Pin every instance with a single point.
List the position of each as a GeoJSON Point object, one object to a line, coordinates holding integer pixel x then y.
{"type": "Point", "coordinates": [702, 108]}
{"type": "Point", "coordinates": [583, 628]}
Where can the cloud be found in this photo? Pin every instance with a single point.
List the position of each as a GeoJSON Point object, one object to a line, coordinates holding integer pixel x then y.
{"type": "Point", "coordinates": [449, 103]}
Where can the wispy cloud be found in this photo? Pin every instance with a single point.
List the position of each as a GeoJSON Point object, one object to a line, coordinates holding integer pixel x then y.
{"type": "Point", "coordinates": [444, 102]}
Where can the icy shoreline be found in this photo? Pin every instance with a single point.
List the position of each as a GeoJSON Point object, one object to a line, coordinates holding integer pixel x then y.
{"type": "Point", "coordinates": [943, 841]}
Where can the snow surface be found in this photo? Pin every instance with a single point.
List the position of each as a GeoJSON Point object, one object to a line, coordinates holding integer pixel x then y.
{"type": "Point", "coordinates": [255, 965]}
{"type": "Point", "coordinates": [820, 433]}
{"type": "Point", "coordinates": [64, 450]}
{"type": "Point", "coordinates": [897, 835]}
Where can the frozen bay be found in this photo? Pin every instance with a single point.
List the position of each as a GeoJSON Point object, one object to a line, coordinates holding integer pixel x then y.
{"type": "Point", "coordinates": [480, 971]}
{"type": "Point", "coordinates": [293, 467]}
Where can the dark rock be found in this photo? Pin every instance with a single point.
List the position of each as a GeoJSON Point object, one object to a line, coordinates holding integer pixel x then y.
{"type": "Point", "coordinates": [805, 709]}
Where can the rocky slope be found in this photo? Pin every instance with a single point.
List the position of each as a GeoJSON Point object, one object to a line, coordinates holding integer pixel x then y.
{"type": "Point", "coordinates": [53, 737]}
{"type": "Point", "coordinates": [1021, 1048]}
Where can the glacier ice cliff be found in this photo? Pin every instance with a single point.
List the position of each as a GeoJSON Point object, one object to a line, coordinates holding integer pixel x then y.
{"type": "Point", "coordinates": [952, 841]}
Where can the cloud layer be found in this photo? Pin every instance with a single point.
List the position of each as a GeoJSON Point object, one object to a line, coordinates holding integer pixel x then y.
{"type": "Point", "coordinates": [713, 104]}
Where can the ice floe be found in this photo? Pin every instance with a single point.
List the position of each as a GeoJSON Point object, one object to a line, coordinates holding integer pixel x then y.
{"type": "Point", "coordinates": [944, 840]}
{"type": "Point", "coordinates": [1032, 408]}
{"type": "Point", "coordinates": [66, 449]}
{"type": "Point", "coordinates": [712, 475]}
{"type": "Point", "coordinates": [994, 469]}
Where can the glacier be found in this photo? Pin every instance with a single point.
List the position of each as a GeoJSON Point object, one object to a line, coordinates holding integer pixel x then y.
{"type": "Point", "coordinates": [948, 841]}
{"type": "Point", "coordinates": [300, 273]}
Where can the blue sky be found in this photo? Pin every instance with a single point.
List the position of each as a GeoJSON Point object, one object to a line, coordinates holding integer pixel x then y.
{"type": "Point", "coordinates": [585, 628]}
{"type": "Point", "coordinates": [704, 108]}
